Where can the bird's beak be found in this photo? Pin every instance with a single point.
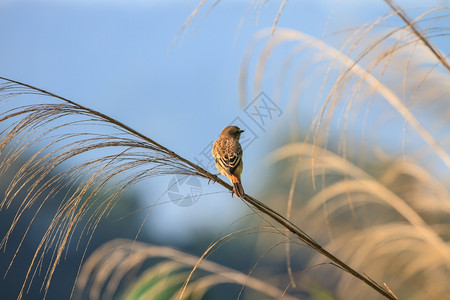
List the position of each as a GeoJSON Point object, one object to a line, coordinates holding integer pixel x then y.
{"type": "Point", "coordinates": [241, 131]}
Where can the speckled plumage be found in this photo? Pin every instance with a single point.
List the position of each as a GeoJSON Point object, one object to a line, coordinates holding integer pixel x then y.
{"type": "Point", "coordinates": [227, 153]}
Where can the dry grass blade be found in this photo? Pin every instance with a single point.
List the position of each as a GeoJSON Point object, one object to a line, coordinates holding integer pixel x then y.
{"type": "Point", "coordinates": [359, 182]}
{"type": "Point", "coordinates": [219, 243]}
{"type": "Point", "coordinates": [121, 151]}
{"type": "Point", "coordinates": [351, 67]}
{"type": "Point", "coordinates": [393, 246]}
{"type": "Point", "coordinates": [275, 22]}
{"type": "Point", "coordinates": [189, 20]}
{"type": "Point", "coordinates": [111, 263]}
{"type": "Point", "coordinates": [400, 230]}
{"type": "Point", "coordinates": [381, 75]}
{"type": "Point", "coordinates": [58, 132]}
{"type": "Point", "coordinates": [314, 245]}
{"type": "Point", "coordinates": [420, 35]}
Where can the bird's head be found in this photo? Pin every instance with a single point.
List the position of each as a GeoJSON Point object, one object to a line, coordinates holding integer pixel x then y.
{"type": "Point", "coordinates": [232, 131]}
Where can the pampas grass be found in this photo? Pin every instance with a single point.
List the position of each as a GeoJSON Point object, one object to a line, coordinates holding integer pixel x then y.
{"type": "Point", "coordinates": [392, 223]}
{"type": "Point", "coordinates": [377, 230]}
{"type": "Point", "coordinates": [132, 154]}
{"type": "Point", "coordinates": [56, 133]}
{"type": "Point", "coordinates": [111, 263]}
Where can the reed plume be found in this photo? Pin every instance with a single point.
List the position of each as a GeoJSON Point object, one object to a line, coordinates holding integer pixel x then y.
{"type": "Point", "coordinates": [56, 134]}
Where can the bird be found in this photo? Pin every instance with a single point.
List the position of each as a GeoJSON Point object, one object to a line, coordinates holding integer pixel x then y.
{"type": "Point", "coordinates": [227, 153]}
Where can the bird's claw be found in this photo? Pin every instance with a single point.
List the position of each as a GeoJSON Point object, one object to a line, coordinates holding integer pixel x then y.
{"type": "Point", "coordinates": [214, 178]}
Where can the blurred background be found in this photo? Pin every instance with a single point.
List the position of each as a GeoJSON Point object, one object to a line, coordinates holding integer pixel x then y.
{"type": "Point", "coordinates": [346, 162]}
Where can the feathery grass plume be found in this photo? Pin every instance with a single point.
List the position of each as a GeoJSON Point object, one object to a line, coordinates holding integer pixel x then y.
{"type": "Point", "coordinates": [382, 81]}
{"type": "Point", "coordinates": [119, 268]}
{"type": "Point", "coordinates": [57, 133]}
{"type": "Point", "coordinates": [352, 85]}
{"type": "Point", "coordinates": [54, 131]}
{"type": "Point", "coordinates": [404, 238]}
{"type": "Point", "coordinates": [355, 80]}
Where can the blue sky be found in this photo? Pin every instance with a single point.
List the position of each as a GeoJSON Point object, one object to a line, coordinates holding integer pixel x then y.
{"type": "Point", "coordinates": [116, 57]}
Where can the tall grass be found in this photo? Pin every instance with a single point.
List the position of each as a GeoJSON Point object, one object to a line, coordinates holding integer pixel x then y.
{"type": "Point", "coordinates": [111, 264]}
{"type": "Point", "coordinates": [378, 210]}
{"type": "Point", "coordinates": [379, 192]}
{"type": "Point", "coordinates": [58, 131]}
{"type": "Point", "coordinates": [134, 157]}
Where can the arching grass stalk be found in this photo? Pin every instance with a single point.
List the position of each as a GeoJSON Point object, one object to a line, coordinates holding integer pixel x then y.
{"type": "Point", "coordinates": [134, 150]}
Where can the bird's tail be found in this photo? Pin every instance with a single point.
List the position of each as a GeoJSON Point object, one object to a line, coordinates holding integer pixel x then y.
{"type": "Point", "coordinates": [237, 186]}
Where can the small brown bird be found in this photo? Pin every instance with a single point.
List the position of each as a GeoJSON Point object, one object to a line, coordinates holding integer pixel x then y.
{"type": "Point", "coordinates": [227, 153]}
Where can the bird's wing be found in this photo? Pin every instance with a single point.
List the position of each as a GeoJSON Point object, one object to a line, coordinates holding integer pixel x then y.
{"type": "Point", "coordinates": [230, 162]}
